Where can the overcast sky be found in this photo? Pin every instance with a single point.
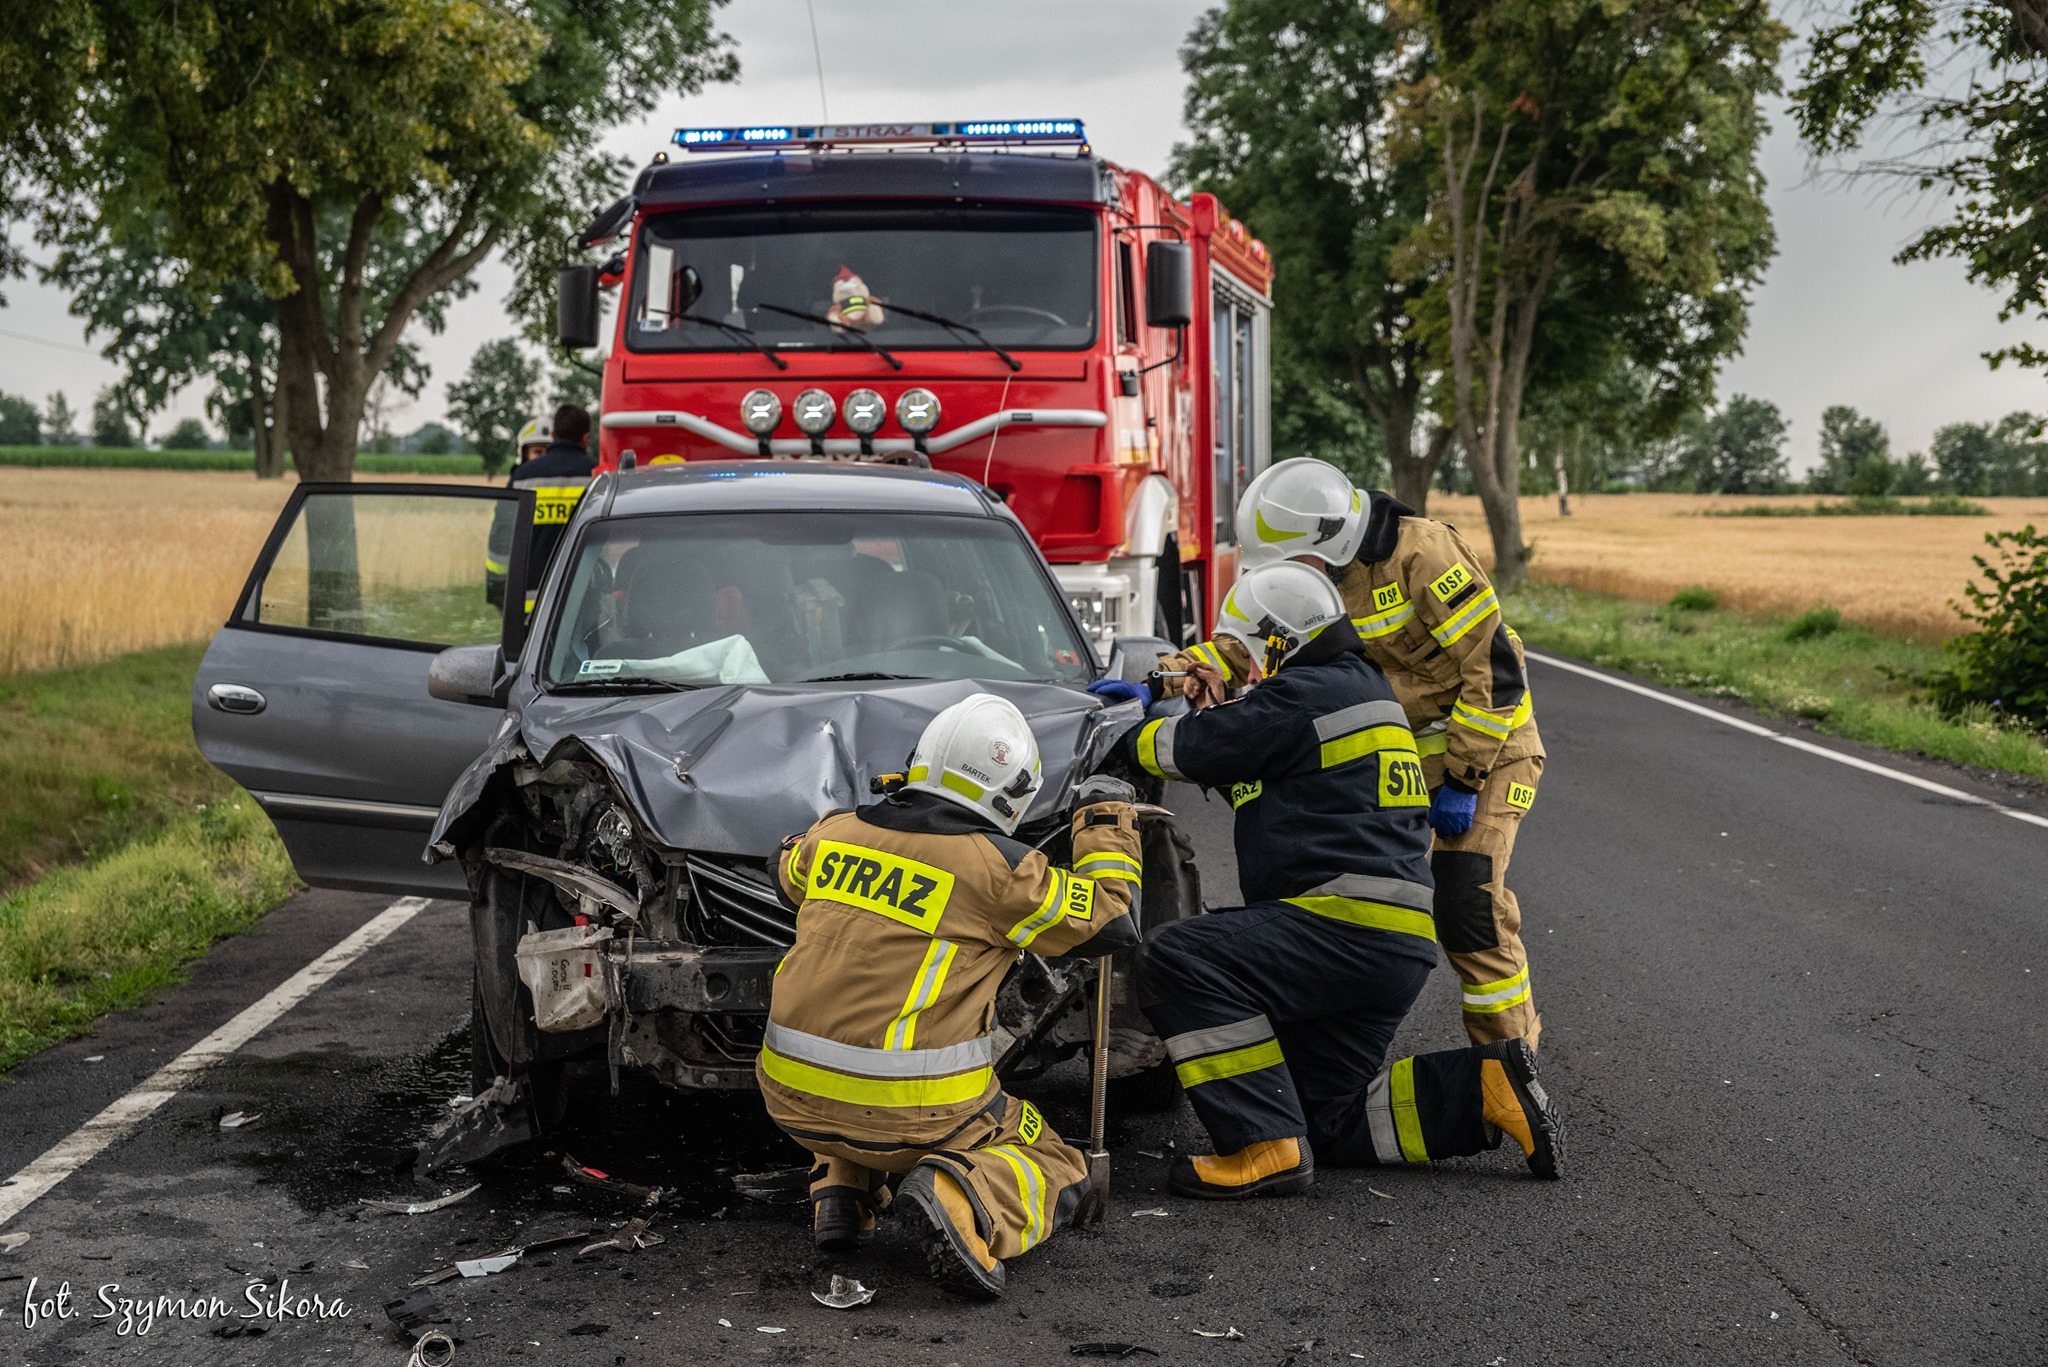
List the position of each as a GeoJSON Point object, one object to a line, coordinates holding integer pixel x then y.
{"type": "Point", "coordinates": [1835, 321]}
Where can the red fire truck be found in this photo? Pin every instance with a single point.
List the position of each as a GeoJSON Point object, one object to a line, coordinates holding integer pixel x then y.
{"type": "Point", "coordinates": [989, 298]}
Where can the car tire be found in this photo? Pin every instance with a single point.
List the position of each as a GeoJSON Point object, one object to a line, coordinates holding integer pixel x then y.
{"type": "Point", "coordinates": [547, 1084]}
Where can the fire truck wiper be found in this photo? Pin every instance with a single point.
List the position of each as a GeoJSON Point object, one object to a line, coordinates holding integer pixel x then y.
{"type": "Point", "coordinates": [745, 335]}
{"type": "Point", "coordinates": [842, 329]}
{"type": "Point", "coordinates": [957, 328]}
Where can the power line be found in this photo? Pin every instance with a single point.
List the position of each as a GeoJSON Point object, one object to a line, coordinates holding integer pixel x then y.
{"type": "Point", "coordinates": [45, 341]}
{"type": "Point", "coordinates": [818, 56]}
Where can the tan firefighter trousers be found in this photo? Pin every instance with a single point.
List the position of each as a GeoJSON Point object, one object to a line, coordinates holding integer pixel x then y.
{"type": "Point", "coordinates": [1478, 920]}
{"type": "Point", "coordinates": [1022, 1179]}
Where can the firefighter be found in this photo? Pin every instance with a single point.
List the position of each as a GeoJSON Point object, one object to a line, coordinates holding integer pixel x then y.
{"type": "Point", "coordinates": [1431, 622]}
{"type": "Point", "coordinates": [555, 463]}
{"type": "Point", "coordinates": [878, 1054]}
{"type": "Point", "coordinates": [1278, 1015]}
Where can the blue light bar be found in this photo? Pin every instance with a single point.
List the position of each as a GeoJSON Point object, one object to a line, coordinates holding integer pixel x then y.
{"type": "Point", "coordinates": [1008, 132]}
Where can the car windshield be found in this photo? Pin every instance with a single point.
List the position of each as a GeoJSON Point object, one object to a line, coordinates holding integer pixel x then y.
{"type": "Point", "coordinates": [1024, 278]}
{"type": "Point", "coordinates": [704, 598]}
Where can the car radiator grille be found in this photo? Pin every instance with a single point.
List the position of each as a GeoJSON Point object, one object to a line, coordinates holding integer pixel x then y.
{"type": "Point", "coordinates": [732, 903]}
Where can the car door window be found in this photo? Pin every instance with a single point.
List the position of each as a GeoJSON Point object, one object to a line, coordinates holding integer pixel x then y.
{"type": "Point", "coordinates": [393, 566]}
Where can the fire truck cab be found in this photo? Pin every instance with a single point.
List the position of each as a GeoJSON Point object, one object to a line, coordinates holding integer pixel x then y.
{"type": "Point", "coordinates": [991, 299]}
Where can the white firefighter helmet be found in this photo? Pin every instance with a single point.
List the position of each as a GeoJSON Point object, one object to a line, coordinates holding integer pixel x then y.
{"type": "Point", "coordinates": [1277, 609]}
{"type": "Point", "coordinates": [537, 432]}
{"type": "Point", "coordinates": [979, 753]}
{"type": "Point", "coordinates": [1302, 506]}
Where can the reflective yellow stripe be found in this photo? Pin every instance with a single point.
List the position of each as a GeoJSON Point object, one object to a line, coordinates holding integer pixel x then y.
{"type": "Point", "coordinates": [1372, 915]}
{"type": "Point", "coordinates": [1030, 1190]}
{"type": "Point", "coordinates": [1034, 925]}
{"type": "Point", "coordinates": [1148, 752]}
{"type": "Point", "coordinates": [1434, 743]}
{"type": "Point", "coordinates": [1475, 612]}
{"type": "Point", "coordinates": [1109, 865]}
{"type": "Point", "coordinates": [1407, 1123]}
{"type": "Point", "coordinates": [1487, 998]}
{"type": "Point", "coordinates": [1372, 740]}
{"type": "Point", "coordinates": [1210, 654]}
{"type": "Point", "coordinates": [924, 990]}
{"type": "Point", "coordinates": [496, 566]}
{"type": "Point", "coordinates": [1216, 1067]}
{"type": "Point", "coordinates": [1485, 723]}
{"type": "Point", "coordinates": [868, 1091]}
{"type": "Point", "coordinates": [1524, 710]}
{"type": "Point", "coordinates": [968, 786]}
{"type": "Point", "coordinates": [1384, 623]}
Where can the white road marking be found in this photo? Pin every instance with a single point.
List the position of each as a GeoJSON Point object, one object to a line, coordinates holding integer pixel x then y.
{"type": "Point", "coordinates": [119, 1119]}
{"type": "Point", "coordinates": [1740, 724]}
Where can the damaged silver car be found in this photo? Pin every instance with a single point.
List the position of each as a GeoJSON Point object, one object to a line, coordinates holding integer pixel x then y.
{"type": "Point", "coordinates": [718, 655]}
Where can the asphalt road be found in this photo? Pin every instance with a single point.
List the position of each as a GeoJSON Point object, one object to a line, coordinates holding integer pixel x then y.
{"type": "Point", "coordinates": [1794, 1011]}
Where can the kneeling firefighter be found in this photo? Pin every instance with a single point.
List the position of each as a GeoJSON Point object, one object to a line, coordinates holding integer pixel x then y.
{"type": "Point", "coordinates": [878, 1051]}
{"type": "Point", "coordinates": [1278, 1015]}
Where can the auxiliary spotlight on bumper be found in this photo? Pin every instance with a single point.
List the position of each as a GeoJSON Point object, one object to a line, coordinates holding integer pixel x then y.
{"type": "Point", "coordinates": [865, 412]}
{"type": "Point", "coordinates": [761, 414]}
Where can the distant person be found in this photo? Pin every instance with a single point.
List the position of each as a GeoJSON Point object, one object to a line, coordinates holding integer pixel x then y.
{"type": "Point", "coordinates": [555, 462]}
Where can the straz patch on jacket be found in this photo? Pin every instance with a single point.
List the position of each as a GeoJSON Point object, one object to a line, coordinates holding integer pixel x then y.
{"type": "Point", "coordinates": [1521, 795]}
{"type": "Point", "coordinates": [1401, 781]}
{"type": "Point", "coordinates": [554, 506]}
{"type": "Point", "coordinates": [903, 890]}
{"type": "Point", "coordinates": [1449, 582]}
{"type": "Point", "coordinates": [1241, 793]}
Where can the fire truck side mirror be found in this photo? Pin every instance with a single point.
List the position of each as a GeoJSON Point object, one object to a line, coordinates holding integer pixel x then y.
{"type": "Point", "coordinates": [576, 311]}
{"type": "Point", "coordinates": [1169, 285]}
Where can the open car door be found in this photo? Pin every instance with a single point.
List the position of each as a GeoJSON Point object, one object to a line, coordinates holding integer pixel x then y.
{"type": "Point", "coordinates": [314, 695]}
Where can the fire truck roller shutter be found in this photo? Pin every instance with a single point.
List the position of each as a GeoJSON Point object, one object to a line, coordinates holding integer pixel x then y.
{"type": "Point", "coordinates": [1152, 517]}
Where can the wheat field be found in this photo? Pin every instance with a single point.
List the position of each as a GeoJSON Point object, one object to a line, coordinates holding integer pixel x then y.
{"type": "Point", "coordinates": [96, 563]}
{"type": "Point", "coordinates": [1895, 575]}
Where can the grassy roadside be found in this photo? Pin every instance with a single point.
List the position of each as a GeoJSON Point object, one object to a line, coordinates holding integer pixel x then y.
{"type": "Point", "coordinates": [138, 458]}
{"type": "Point", "coordinates": [123, 855]}
{"type": "Point", "coordinates": [1812, 667]}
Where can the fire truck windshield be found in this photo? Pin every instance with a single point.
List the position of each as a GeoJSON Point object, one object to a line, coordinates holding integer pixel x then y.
{"type": "Point", "coordinates": [1024, 278]}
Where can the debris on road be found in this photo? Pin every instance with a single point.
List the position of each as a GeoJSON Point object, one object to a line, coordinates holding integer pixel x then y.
{"type": "Point", "coordinates": [507, 1255]}
{"type": "Point", "coordinates": [781, 1187]}
{"type": "Point", "coordinates": [1231, 1333]}
{"type": "Point", "coordinates": [1109, 1350]}
{"type": "Point", "coordinates": [433, 1349]}
{"type": "Point", "coordinates": [95, 1058]}
{"type": "Point", "coordinates": [497, 1118]}
{"type": "Point", "coordinates": [846, 1293]}
{"type": "Point", "coordinates": [10, 1242]}
{"type": "Point", "coordinates": [604, 1181]}
{"type": "Point", "coordinates": [589, 1330]}
{"type": "Point", "coordinates": [484, 1267]}
{"type": "Point", "coordinates": [357, 1263]}
{"type": "Point", "coordinates": [411, 1313]}
{"type": "Point", "coordinates": [769, 1329]}
{"type": "Point", "coordinates": [1377, 1192]}
{"type": "Point", "coordinates": [234, 1120]}
{"type": "Point", "coordinates": [726, 1322]}
{"type": "Point", "coordinates": [419, 1207]}
{"type": "Point", "coordinates": [1157, 1210]}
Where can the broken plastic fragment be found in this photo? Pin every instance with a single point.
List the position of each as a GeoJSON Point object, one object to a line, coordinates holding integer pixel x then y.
{"type": "Point", "coordinates": [846, 1293]}
{"type": "Point", "coordinates": [1157, 1210]}
{"type": "Point", "coordinates": [1109, 1350]}
{"type": "Point", "coordinates": [781, 1187]}
{"type": "Point", "coordinates": [1377, 1192]}
{"type": "Point", "coordinates": [418, 1207]}
{"type": "Point", "coordinates": [10, 1242]}
{"type": "Point", "coordinates": [1230, 1333]}
{"type": "Point", "coordinates": [768, 1329]}
{"type": "Point", "coordinates": [357, 1263]}
{"type": "Point", "coordinates": [234, 1120]}
{"type": "Point", "coordinates": [433, 1349]}
{"type": "Point", "coordinates": [95, 1058]}
{"type": "Point", "coordinates": [458, 1101]}
{"type": "Point", "coordinates": [726, 1322]}
{"type": "Point", "coordinates": [484, 1267]}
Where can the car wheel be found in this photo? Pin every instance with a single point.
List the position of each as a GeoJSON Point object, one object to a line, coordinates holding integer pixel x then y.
{"type": "Point", "coordinates": [547, 1084]}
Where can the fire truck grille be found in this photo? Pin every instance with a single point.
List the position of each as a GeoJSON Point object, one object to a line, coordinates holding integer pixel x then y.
{"type": "Point", "coordinates": [732, 902]}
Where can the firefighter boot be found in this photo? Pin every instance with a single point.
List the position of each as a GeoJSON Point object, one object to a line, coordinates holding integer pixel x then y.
{"type": "Point", "coordinates": [1272, 1167]}
{"type": "Point", "coordinates": [841, 1222]}
{"type": "Point", "coordinates": [1514, 1101]}
{"type": "Point", "coordinates": [954, 1253]}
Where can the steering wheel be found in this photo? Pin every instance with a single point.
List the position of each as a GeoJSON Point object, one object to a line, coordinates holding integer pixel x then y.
{"type": "Point", "coordinates": [931, 640]}
{"type": "Point", "coordinates": [1047, 314]}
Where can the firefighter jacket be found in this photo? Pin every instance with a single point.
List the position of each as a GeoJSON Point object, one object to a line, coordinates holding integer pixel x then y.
{"type": "Point", "coordinates": [1431, 622]}
{"type": "Point", "coordinates": [880, 1023]}
{"type": "Point", "coordinates": [1332, 809]}
{"type": "Point", "coordinates": [558, 476]}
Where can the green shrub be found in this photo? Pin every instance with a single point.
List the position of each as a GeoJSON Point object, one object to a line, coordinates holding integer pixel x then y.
{"type": "Point", "coordinates": [2003, 665]}
{"type": "Point", "coordinates": [1948, 505]}
{"type": "Point", "coordinates": [1698, 598]}
{"type": "Point", "coordinates": [1814, 623]}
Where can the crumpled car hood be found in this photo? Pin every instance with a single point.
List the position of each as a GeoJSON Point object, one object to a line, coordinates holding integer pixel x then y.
{"type": "Point", "coordinates": [734, 769]}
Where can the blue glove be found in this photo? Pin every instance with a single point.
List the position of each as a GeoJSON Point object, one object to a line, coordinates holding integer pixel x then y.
{"type": "Point", "coordinates": [1117, 690]}
{"type": "Point", "coordinates": [1451, 810]}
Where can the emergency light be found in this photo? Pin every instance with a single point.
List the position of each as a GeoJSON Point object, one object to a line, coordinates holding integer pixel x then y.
{"type": "Point", "coordinates": [1008, 132]}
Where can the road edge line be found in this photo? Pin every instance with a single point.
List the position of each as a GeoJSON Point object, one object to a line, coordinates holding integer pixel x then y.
{"type": "Point", "coordinates": [1795, 742]}
{"type": "Point", "coordinates": [122, 1115]}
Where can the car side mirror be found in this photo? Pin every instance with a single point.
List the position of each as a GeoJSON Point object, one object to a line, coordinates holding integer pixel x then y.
{"type": "Point", "coordinates": [576, 307]}
{"type": "Point", "coordinates": [1169, 285]}
{"type": "Point", "coordinates": [468, 674]}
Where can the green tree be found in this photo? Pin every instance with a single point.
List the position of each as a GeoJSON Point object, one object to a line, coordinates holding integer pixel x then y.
{"type": "Point", "coordinates": [1855, 454]}
{"type": "Point", "coordinates": [1986, 137]}
{"type": "Point", "coordinates": [110, 419]}
{"type": "Point", "coordinates": [188, 435]}
{"type": "Point", "coordinates": [433, 440]}
{"type": "Point", "coordinates": [59, 422]}
{"type": "Point", "coordinates": [1287, 102]}
{"type": "Point", "coordinates": [494, 400]}
{"type": "Point", "coordinates": [20, 424]}
{"type": "Point", "coordinates": [1739, 450]}
{"type": "Point", "coordinates": [355, 161]}
{"type": "Point", "coordinates": [1965, 453]}
{"type": "Point", "coordinates": [1592, 152]}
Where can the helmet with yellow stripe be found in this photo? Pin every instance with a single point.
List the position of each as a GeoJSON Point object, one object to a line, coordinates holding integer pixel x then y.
{"type": "Point", "coordinates": [1277, 609]}
{"type": "Point", "coordinates": [1302, 506]}
{"type": "Point", "coordinates": [980, 754]}
{"type": "Point", "coordinates": [536, 432]}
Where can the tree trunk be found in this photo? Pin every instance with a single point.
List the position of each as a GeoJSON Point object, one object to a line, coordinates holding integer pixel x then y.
{"type": "Point", "coordinates": [266, 425]}
{"type": "Point", "coordinates": [1413, 477]}
{"type": "Point", "coordinates": [1564, 483]}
